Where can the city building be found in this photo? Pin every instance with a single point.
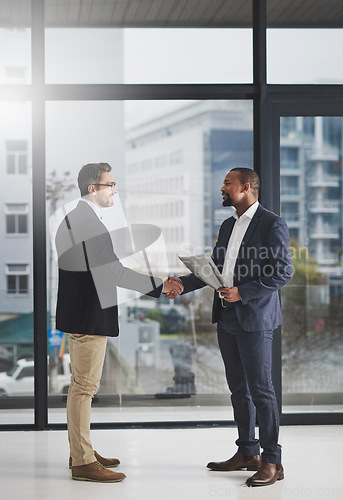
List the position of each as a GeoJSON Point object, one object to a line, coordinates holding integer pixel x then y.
{"type": "Point", "coordinates": [176, 164]}
{"type": "Point", "coordinates": [311, 167]}
{"type": "Point", "coordinates": [16, 272]}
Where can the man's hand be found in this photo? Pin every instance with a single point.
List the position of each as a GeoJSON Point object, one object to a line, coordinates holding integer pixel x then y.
{"type": "Point", "coordinates": [172, 287]}
{"type": "Point", "coordinates": [230, 294]}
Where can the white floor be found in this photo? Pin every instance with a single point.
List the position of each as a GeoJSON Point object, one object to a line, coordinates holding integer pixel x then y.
{"type": "Point", "coordinates": [169, 465]}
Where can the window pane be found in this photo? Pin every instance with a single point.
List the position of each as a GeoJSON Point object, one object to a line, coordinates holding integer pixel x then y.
{"type": "Point", "coordinates": [290, 185]}
{"type": "Point", "coordinates": [84, 55]}
{"type": "Point", "coordinates": [16, 305]}
{"type": "Point", "coordinates": [22, 223]}
{"type": "Point", "coordinates": [16, 207]}
{"type": "Point", "coordinates": [15, 61]}
{"type": "Point", "coordinates": [23, 284]}
{"type": "Point", "coordinates": [11, 284]}
{"type": "Point", "coordinates": [311, 203]}
{"type": "Point", "coordinates": [17, 268]}
{"type": "Point", "coordinates": [27, 372]}
{"type": "Point", "coordinates": [10, 224]}
{"type": "Point", "coordinates": [22, 164]}
{"type": "Point", "coordinates": [10, 164]}
{"type": "Point", "coordinates": [304, 56]}
{"type": "Point", "coordinates": [197, 55]}
{"type": "Point", "coordinates": [169, 160]}
{"type": "Point", "coordinates": [148, 55]}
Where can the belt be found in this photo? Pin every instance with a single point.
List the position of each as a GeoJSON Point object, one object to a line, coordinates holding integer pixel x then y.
{"type": "Point", "coordinates": [226, 304]}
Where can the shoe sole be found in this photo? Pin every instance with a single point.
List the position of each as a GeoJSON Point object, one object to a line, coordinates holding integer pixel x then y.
{"type": "Point", "coordinates": [255, 469]}
{"type": "Point", "coordinates": [97, 480]}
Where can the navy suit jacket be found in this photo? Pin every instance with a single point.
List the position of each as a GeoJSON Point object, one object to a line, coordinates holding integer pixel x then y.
{"type": "Point", "coordinates": [89, 272]}
{"type": "Point", "coordinates": [262, 267]}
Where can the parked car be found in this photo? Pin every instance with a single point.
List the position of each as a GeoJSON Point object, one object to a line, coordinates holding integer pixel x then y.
{"type": "Point", "coordinates": [19, 381]}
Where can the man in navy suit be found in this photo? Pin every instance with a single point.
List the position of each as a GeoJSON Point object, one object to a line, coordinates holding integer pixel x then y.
{"type": "Point", "coordinates": [253, 255]}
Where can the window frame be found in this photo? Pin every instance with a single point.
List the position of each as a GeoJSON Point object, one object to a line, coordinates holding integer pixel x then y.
{"type": "Point", "coordinates": [294, 103]}
{"type": "Point", "coordinates": [268, 101]}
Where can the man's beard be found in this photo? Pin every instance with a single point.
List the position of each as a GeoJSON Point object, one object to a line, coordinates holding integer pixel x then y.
{"type": "Point", "coordinates": [107, 202]}
{"type": "Point", "coordinates": [227, 202]}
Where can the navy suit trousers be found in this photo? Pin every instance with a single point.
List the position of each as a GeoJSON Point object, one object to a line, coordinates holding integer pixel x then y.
{"type": "Point", "coordinates": [247, 358]}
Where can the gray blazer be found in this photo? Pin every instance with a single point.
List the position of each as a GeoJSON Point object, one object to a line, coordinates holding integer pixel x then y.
{"type": "Point", "coordinates": [89, 273]}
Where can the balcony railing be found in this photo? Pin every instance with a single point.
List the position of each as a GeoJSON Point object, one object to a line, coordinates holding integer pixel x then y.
{"type": "Point", "coordinates": [327, 259]}
{"type": "Point", "coordinates": [325, 231]}
{"type": "Point", "coordinates": [291, 217]}
{"type": "Point", "coordinates": [324, 205]}
{"type": "Point", "coordinates": [289, 165]}
{"type": "Point", "coordinates": [289, 191]}
{"type": "Point", "coordinates": [327, 180]}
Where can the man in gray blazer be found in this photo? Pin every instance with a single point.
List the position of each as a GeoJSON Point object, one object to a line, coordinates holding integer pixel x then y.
{"type": "Point", "coordinates": [89, 272]}
{"type": "Point", "coordinates": [253, 255]}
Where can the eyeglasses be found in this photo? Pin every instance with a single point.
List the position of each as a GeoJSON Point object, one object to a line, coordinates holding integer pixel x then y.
{"type": "Point", "coordinates": [112, 185]}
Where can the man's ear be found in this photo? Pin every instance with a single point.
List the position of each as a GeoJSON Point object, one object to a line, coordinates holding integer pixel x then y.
{"type": "Point", "coordinates": [246, 186]}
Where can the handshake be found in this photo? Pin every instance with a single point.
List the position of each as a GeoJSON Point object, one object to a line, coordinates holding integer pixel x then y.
{"type": "Point", "coordinates": [172, 287]}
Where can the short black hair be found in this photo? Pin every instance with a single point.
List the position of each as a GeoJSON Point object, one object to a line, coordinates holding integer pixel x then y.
{"type": "Point", "coordinates": [249, 175]}
{"type": "Point", "coordinates": [91, 174]}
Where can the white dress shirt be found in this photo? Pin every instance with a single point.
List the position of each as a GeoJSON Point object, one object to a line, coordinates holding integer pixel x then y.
{"type": "Point", "coordinates": [94, 207]}
{"type": "Point", "coordinates": [239, 229]}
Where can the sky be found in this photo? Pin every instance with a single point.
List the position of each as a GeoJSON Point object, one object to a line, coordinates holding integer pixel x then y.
{"type": "Point", "coordinates": [172, 55]}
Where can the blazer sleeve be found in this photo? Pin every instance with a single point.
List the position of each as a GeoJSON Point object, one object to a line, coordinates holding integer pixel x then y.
{"type": "Point", "coordinates": [192, 282]}
{"type": "Point", "coordinates": [105, 266]}
{"type": "Point", "coordinates": [275, 273]}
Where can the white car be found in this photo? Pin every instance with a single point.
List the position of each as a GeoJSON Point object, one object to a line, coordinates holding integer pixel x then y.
{"type": "Point", "coordinates": [19, 381]}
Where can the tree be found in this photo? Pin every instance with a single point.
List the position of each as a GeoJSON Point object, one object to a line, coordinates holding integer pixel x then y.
{"type": "Point", "coordinates": [301, 300]}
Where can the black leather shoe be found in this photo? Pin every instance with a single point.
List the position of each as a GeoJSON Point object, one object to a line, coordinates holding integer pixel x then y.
{"type": "Point", "coordinates": [267, 474]}
{"type": "Point", "coordinates": [237, 462]}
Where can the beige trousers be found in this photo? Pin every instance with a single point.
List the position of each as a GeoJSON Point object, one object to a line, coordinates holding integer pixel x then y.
{"type": "Point", "coordinates": [87, 354]}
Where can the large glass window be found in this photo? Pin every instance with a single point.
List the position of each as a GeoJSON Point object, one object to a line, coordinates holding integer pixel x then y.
{"type": "Point", "coordinates": [16, 277]}
{"type": "Point", "coordinates": [169, 165]}
{"type": "Point", "coordinates": [169, 158]}
{"type": "Point", "coordinates": [311, 203]}
{"type": "Point", "coordinates": [15, 53]}
{"type": "Point", "coordinates": [148, 55]}
{"type": "Point", "coordinates": [304, 56]}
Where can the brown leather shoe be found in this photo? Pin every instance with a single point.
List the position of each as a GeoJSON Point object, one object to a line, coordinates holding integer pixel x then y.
{"type": "Point", "coordinates": [237, 462]}
{"type": "Point", "coordinates": [106, 462]}
{"type": "Point", "coordinates": [95, 472]}
{"type": "Point", "coordinates": [267, 474]}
